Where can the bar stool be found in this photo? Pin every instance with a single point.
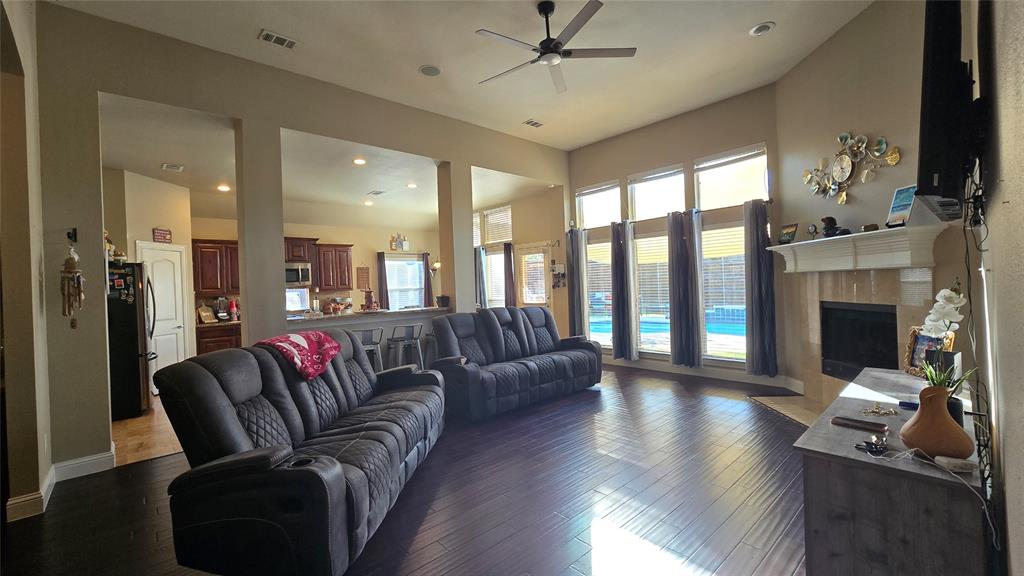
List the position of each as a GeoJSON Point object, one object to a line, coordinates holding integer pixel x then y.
{"type": "Point", "coordinates": [405, 338]}
{"type": "Point", "coordinates": [370, 339]}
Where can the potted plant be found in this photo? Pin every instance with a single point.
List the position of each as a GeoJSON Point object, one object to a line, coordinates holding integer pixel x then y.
{"type": "Point", "coordinates": [940, 376]}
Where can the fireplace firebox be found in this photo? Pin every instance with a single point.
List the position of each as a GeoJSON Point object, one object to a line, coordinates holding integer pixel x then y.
{"type": "Point", "coordinates": [857, 336]}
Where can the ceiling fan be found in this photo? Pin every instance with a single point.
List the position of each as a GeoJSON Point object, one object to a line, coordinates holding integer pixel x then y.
{"type": "Point", "coordinates": [551, 51]}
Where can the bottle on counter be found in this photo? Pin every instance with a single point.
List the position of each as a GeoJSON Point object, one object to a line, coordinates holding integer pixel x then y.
{"type": "Point", "coordinates": [316, 300]}
{"type": "Point", "coordinates": [233, 310]}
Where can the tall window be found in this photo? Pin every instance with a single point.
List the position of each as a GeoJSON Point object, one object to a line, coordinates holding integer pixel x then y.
{"type": "Point", "coordinates": [657, 195]}
{"type": "Point", "coordinates": [476, 229]}
{"type": "Point", "coordinates": [497, 225]}
{"type": "Point", "coordinates": [405, 280]}
{"type": "Point", "coordinates": [652, 293]}
{"type": "Point", "coordinates": [597, 208]}
{"type": "Point", "coordinates": [725, 306]}
{"type": "Point", "coordinates": [599, 292]}
{"type": "Point", "coordinates": [494, 277]}
{"type": "Point", "coordinates": [531, 275]}
{"type": "Point", "coordinates": [732, 178]}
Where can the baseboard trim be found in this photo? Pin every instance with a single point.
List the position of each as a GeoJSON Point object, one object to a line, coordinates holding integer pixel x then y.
{"type": "Point", "coordinates": [84, 466]}
{"type": "Point", "coordinates": [710, 371]}
{"type": "Point", "coordinates": [33, 503]}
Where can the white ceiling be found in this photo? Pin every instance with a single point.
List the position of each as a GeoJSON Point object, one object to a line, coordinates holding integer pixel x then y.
{"type": "Point", "coordinates": [689, 53]}
{"type": "Point", "coordinates": [138, 136]}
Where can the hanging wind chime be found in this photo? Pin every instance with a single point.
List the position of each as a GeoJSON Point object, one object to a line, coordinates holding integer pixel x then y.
{"type": "Point", "coordinates": [72, 286]}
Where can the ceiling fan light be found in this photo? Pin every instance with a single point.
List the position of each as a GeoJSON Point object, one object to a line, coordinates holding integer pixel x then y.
{"type": "Point", "coordinates": [551, 59]}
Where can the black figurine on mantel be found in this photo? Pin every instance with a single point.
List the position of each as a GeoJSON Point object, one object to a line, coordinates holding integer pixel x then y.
{"type": "Point", "coordinates": [831, 228]}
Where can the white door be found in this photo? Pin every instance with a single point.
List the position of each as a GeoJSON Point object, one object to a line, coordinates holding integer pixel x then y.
{"type": "Point", "coordinates": [166, 308]}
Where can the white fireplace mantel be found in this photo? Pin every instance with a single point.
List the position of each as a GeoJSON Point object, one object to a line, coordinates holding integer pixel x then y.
{"type": "Point", "coordinates": [906, 247]}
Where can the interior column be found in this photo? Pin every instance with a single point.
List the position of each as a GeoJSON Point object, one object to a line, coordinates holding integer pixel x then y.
{"type": "Point", "coordinates": [260, 228]}
{"type": "Point", "coordinates": [455, 233]}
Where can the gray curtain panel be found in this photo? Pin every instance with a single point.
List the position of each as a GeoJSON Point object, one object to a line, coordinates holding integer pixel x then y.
{"type": "Point", "coordinates": [624, 343]}
{"type": "Point", "coordinates": [478, 269]}
{"type": "Point", "coordinates": [428, 288]}
{"type": "Point", "coordinates": [382, 281]}
{"type": "Point", "coordinates": [574, 279]}
{"type": "Point", "coordinates": [510, 276]}
{"type": "Point", "coordinates": [760, 277]}
{"type": "Point", "coordinates": [684, 288]}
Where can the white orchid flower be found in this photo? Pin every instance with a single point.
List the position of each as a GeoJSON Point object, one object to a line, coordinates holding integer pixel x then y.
{"type": "Point", "coordinates": [934, 330]}
{"type": "Point", "coordinates": [943, 313]}
{"type": "Point", "coordinates": [951, 298]}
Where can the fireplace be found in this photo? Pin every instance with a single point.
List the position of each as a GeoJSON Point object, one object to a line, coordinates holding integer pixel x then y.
{"type": "Point", "coordinates": [857, 336]}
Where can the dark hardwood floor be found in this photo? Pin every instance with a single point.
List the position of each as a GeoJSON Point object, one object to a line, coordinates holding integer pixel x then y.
{"type": "Point", "coordinates": [643, 474]}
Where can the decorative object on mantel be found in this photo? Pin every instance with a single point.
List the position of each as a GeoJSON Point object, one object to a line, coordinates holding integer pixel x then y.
{"type": "Point", "coordinates": [899, 210]}
{"type": "Point", "coordinates": [812, 231]}
{"type": "Point", "coordinates": [72, 285]}
{"type": "Point", "coordinates": [831, 228]}
{"type": "Point", "coordinates": [869, 227]}
{"type": "Point", "coordinates": [788, 233]}
{"type": "Point", "coordinates": [831, 178]}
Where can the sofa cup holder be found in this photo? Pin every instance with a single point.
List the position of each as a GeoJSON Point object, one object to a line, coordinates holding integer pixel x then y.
{"type": "Point", "coordinates": [301, 462]}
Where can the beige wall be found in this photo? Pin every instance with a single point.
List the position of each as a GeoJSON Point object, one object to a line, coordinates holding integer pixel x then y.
{"type": "Point", "coordinates": [81, 55]}
{"type": "Point", "coordinates": [540, 217]}
{"type": "Point", "coordinates": [151, 203]}
{"type": "Point", "coordinates": [114, 211]}
{"type": "Point", "coordinates": [1005, 274]}
{"type": "Point", "coordinates": [21, 241]}
{"type": "Point", "coordinates": [366, 242]}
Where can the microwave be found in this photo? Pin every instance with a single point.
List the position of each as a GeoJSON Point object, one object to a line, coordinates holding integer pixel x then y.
{"type": "Point", "coordinates": [297, 274]}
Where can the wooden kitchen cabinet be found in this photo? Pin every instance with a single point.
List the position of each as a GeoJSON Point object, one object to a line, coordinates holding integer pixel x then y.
{"type": "Point", "coordinates": [215, 268]}
{"type": "Point", "coordinates": [299, 249]}
{"type": "Point", "coordinates": [334, 264]}
{"type": "Point", "coordinates": [212, 337]}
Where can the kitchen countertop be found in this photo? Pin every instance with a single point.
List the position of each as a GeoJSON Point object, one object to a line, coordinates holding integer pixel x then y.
{"type": "Point", "coordinates": [200, 325]}
{"type": "Point", "coordinates": [371, 316]}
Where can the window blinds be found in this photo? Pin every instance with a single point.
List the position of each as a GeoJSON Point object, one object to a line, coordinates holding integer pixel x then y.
{"type": "Point", "coordinates": [722, 272]}
{"type": "Point", "coordinates": [476, 229]}
{"type": "Point", "coordinates": [498, 225]}
{"type": "Point", "coordinates": [599, 292]}
{"type": "Point", "coordinates": [494, 278]}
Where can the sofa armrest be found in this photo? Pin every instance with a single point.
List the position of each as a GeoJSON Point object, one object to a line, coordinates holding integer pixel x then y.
{"type": "Point", "coordinates": [448, 361]}
{"type": "Point", "coordinates": [578, 343]}
{"type": "Point", "coordinates": [406, 376]}
{"type": "Point", "coordinates": [265, 511]}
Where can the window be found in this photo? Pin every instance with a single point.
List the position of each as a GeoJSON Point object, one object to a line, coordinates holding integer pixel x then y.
{"type": "Point", "coordinates": [597, 208]}
{"type": "Point", "coordinates": [296, 299]}
{"type": "Point", "coordinates": [652, 293]}
{"type": "Point", "coordinates": [725, 305]}
{"type": "Point", "coordinates": [531, 275]}
{"type": "Point", "coordinates": [476, 229]}
{"type": "Point", "coordinates": [657, 195]}
{"type": "Point", "coordinates": [732, 179]}
{"type": "Point", "coordinates": [405, 281]}
{"type": "Point", "coordinates": [599, 292]}
{"type": "Point", "coordinates": [498, 225]}
{"type": "Point", "coordinates": [494, 277]}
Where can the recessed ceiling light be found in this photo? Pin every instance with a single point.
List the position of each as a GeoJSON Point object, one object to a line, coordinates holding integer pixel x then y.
{"type": "Point", "coordinates": [762, 28]}
{"type": "Point", "coordinates": [430, 70]}
{"type": "Point", "coordinates": [411, 185]}
{"type": "Point", "coordinates": [224, 188]}
{"type": "Point", "coordinates": [367, 202]}
{"type": "Point", "coordinates": [551, 185]}
{"type": "Point", "coordinates": [359, 162]}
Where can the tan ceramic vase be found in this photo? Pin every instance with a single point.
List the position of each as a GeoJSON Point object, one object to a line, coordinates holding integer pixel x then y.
{"type": "Point", "coordinates": [933, 431]}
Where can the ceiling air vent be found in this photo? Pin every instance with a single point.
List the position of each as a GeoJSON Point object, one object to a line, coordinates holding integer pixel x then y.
{"type": "Point", "coordinates": [533, 123]}
{"type": "Point", "coordinates": [374, 192]}
{"type": "Point", "coordinates": [276, 39]}
{"type": "Point", "coordinates": [168, 167]}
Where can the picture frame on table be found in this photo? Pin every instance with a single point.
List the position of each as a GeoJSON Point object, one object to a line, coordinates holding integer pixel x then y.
{"type": "Point", "coordinates": [919, 344]}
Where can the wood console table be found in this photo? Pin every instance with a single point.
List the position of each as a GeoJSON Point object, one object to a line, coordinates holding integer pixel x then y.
{"type": "Point", "coordinates": [870, 516]}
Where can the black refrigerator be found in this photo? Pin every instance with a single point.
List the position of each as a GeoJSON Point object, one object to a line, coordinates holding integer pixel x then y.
{"type": "Point", "coordinates": [128, 339]}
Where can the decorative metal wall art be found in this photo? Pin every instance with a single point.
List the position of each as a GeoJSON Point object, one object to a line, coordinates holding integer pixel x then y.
{"type": "Point", "coordinates": [831, 178]}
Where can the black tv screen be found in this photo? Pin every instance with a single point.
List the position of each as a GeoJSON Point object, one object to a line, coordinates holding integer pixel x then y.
{"type": "Point", "coordinates": [945, 156]}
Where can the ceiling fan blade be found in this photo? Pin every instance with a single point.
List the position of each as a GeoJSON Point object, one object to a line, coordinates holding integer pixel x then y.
{"type": "Point", "coordinates": [506, 39]}
{"type": "Point", "coordinates": [557, 77]}
{"type": "Point", "coordinates": [578, 21]}
{"type": "Point", "coordinates": [599, 53]}
{"type": "Point", "coordinates": [511, 70]}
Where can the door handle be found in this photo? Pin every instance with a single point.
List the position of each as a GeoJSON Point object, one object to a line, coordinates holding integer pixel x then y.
{"type": "Point", "coordinates": [178, 327]}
